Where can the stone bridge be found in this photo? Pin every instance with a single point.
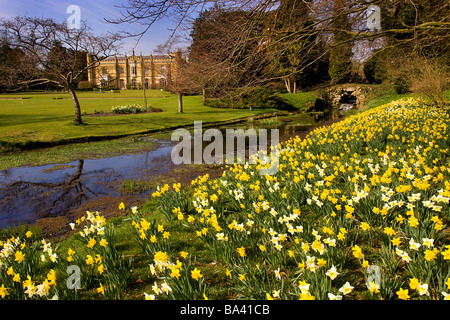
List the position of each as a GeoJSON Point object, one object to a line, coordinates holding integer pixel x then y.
{"type": "Point", "coordinates": [337, 100]}
{"type": "Point", "coordinates": [348, 96]}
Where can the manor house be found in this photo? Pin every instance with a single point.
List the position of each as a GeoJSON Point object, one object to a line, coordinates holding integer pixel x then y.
{"type": "Point", "coordinates": [135, 72]}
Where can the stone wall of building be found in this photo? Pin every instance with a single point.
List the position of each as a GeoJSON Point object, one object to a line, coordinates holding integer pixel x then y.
{"type": "Point", "coordinates": [135, 72]}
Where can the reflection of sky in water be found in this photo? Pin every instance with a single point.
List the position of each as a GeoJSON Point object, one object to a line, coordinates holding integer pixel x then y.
{"type": "Point", "coordinates": [29, 193]}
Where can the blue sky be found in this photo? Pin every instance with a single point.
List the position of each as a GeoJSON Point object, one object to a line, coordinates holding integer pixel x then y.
{"type": "Point", "coordinates": [93, 13]}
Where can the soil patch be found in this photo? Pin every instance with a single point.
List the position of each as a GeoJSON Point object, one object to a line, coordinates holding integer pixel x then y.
{"type": "Point", "coordinates": [58, 227]}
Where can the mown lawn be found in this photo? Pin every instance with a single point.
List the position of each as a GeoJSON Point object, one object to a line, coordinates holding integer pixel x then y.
{"type": "Point", "coordinates": [369, 193]}
{"type": "Point", "coordinates": [43, 118]}
{"type": "Point", "coordinates": [39, 117]}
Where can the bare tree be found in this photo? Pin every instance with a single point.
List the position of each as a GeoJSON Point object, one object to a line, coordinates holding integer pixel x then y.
{"type": "Point", "coordinates": [271, 30]}
{"type": "Point", "coordinates": [58, 53]}
{"type": "Point", "coordinates": [183, 81]}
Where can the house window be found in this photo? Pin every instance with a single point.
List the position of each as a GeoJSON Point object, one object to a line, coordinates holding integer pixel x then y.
{"type": "Point", "coordinates": [104, 70]}
{"type": "Point", "coordinates": [133, 68]}
{"type": "Point", "coordinates": [163, 69]}
{"type": "Point", "coordinates": [121, 71]}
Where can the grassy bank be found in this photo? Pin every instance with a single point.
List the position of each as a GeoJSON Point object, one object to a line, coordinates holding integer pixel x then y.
{"type": "Point", "coordinates": [27, 119]}
{"type": "Point", "coordinates": [41, 118]}
{"type": "Point", "coordinates": [75, 151]}
{"type": "Point", "coordinates": [378, 199]}
{"type": "Point", "coordinates": [32, 120]}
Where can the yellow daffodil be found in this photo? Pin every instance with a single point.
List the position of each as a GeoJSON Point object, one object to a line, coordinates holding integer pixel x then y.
{"type": "Point", "coordinates": [91, 243]}
{"type": "Point", "coordinates": [403, 294]}
{"type": "Point", "coordinates": [160, 257]}
{"type": "Point", "coordinates": [241, 251]}
{"type": "Point", "coordinates": [195, 274]}
{"type": "Point", "coordinates": [175, 273]}
{"type": "Point", "coordinates": [389, 231]}
{"type": "Point", "coordinates": [101, 289]}
{"type": "Point", "coordinates": [19, 256]}
{"type": "Point", "coordinates": [357, 252]}
{"type": "Point", "coordinates": [3, 291]}
{"type": "Point", "coordinates": [430, 255]}
{"type": "Point", "coordinates": [365, 226]}
{"type": "Point", "coordinates": [373, 287]}
{"type": "Point", "coordinates": [414, 283]}
{"type": "Point", "coordinates": [396, 241]}
{"type": "Point", "coordinates": [89, 260]}
{"type": "Point", "coordinates": [16, 277]}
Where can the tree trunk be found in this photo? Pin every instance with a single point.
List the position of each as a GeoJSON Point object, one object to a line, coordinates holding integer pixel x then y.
{"type": "Point", "coordinates": [204, 95]}
{"type": "Point", "coordinates": [145, 99]}
{"type": "Point", "coordinates": [295, 86]}
{"type": "Point", "coordinates": [77, 107]}
{"type": "Point", "coordinates": [180, 102]}
{"type": "Point", "coordinates": [287, 83]}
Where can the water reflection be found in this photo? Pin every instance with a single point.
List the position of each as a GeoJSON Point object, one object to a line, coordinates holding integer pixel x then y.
{"type": "Point", "coordinates": [30, 193]}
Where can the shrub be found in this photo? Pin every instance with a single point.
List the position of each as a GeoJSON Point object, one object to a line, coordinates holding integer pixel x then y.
{"type": "Point", "coordinates": [370, 69]}
{"type": "Point", "coordinates": [402, 84]}
{"type": "Point", "coordinates": [261, 97]}
{"type": "Point", "coordinates": [432, 79]}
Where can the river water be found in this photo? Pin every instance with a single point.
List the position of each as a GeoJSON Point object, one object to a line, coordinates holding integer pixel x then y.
{"type": "Point", "coordinates": [30, 193]}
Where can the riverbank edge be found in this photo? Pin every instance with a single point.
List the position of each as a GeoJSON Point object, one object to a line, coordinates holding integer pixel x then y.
{"type": "Point", "coordinates": [57, 228]}
{"type": "Point", "coordinates": [36, 145]}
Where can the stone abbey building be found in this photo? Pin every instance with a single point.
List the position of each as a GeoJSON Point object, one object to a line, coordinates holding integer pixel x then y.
{"type": "Point", "coordinates": [135, 72]}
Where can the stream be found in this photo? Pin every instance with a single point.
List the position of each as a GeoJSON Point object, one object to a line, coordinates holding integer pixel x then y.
{"type": "Point", "coordinates": [30, 193]}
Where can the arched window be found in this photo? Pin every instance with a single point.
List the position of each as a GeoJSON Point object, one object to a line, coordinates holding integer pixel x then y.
{"type": "Point", "coordinates": [133, 68]}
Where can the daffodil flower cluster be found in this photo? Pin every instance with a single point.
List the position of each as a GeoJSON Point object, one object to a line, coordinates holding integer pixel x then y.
{"type": "Point", "coordinates": [357, 210]}
{"type": "Point", "coordinates": [129, 108]}
{"type": "Point", "coordinates": [373, 187]}
{"type": "Point", "coordinates": [98, 259]}
{"type": "Point", "coordinates": [95, 224]}
{"type": "Point", "coordinates": [19, 263]}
